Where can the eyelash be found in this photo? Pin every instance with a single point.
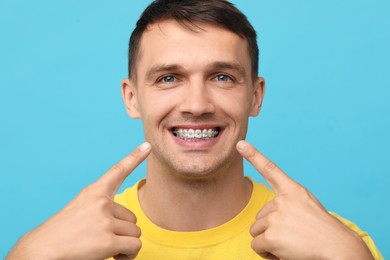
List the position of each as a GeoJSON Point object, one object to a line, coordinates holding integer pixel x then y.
{"type": "Point", "coordinates": [161, 80]}
{"type": "Point", "coordinates": [216, 77]}
{"type": "Point", "coordinates": [228, 77]}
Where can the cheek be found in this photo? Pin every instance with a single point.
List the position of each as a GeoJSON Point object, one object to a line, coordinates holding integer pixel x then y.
{"type": "Point", "coordinates": [155, 106]}
{"type": "Point", "coordinates": [234, 103]}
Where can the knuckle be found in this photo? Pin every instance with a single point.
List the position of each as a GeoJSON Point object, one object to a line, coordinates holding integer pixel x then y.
{"type": "Point", "coordinates": [87, 190]}
{"type": "Point", "coordinates": [134, 156]}
{"type": "Point", "coordinates": [269, 166]}
{"type": "Point", "coordinates": [109, 242]}
{"type": "Point", "coordinates": [284, 206]}
{"type": "Point", "coordinates": [253, 230]}
{"type": "Point", "coordinates": [137, 244]}
{"type": "Point", "coordinates": [90, 190]}
{"type": "Point", "coordinates": [134, 231]}
{"type": "Point", "coordinates": [103, 203]}
{"type": "Point", "coordinates": [270, 219]}
{"type": "Point", "coordinates": [302, 190]}
{"type": "Point", "coordinates": [307, 195]}
{"type": "Point", "coordinates": [132, 216]}
{"type": "Point", "coordinates": [101, 200]}
{"type": "Point", "coordinates": [259, 215]}
{"type": "Point", "coordinates": [118, 167]}
{"type": "Point", "coordinates": [107, 225]}
{"type": "Point", "coordinates": [279, 202]}
{"type": "Point", "coordinates": [138, 231]}
{"type": "Point", "coordinates": [269, 237]}
{"type": "Point", "coordinates": [251, 153]}
{"type": "Point", "coordinates": [254, 245]}
{"type": "Point", "coordinates": [257, 246]}
{"type": "Point", "coordinates": [303, 193]}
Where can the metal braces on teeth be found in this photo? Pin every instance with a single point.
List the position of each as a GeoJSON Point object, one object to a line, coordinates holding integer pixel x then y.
{"type": "Point", "coordinates": [198, 134]}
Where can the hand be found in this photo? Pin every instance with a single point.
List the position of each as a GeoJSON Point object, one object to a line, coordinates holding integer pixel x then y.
{"type": "Point", "coordinates": [294, 225]}
{"type": "Point", "coordinates": [92, 225]}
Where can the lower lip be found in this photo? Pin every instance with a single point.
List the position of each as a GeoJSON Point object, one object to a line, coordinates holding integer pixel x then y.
{"type": "Point", "coordinates": [202, 144]}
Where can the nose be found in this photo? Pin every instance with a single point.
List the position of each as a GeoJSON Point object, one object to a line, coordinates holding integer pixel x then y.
{"type": "Point", "coordinates": [197, 100]}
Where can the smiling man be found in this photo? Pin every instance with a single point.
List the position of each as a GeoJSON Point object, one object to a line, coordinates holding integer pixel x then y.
{"type": "Point", "coordinates": [193, 82]}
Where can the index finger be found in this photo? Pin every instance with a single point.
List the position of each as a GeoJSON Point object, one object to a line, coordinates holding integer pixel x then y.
{"type": "Point", "coordinates": [276, 178]}
{"type": "Point", "coordinates": [110, 182]}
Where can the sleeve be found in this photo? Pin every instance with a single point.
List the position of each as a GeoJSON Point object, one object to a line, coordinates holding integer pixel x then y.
{"type": "Point", "coordinates": [364, 235]}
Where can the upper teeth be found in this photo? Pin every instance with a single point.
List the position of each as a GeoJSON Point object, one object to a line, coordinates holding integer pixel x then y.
{"type": "Point", "coordinates": [193, 134]}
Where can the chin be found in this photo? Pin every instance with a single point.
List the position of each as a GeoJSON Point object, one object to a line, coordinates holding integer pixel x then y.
{"type": "Point", "coordinates": [197, 169]}
{"type": "Point", "coordinates": [196, 164]}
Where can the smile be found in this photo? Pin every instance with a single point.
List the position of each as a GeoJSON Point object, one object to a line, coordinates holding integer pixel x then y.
{"type": "Point", "coordinates": [195, 135]}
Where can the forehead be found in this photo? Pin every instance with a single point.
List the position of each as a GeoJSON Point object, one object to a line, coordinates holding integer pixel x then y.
{"type": "Point", "coordinates": [168, 42]}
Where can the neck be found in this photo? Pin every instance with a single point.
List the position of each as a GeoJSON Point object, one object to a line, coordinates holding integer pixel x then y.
{"type": "Point", "coordinates": [192, 204]}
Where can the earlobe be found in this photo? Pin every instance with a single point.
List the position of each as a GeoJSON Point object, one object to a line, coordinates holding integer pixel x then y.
{"type": "Point", "coordinates": [129, 96]}
{"type": "Point", "coordinates": [258, 95]}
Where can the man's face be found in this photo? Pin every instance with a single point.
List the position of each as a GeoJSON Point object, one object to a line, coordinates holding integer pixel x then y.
{"type": "Point", "coordinates": [194, 93]}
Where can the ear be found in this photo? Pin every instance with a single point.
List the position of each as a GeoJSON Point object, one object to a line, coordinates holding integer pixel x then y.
{"type": "Point", "coordinates": [129, 95]}
{"type": "Point", "coordinates": [258, 95]}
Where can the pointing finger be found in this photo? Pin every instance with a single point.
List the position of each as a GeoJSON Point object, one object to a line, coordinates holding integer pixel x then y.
{"type": "Point", "coordinates": [276, 178]}
{"type": "Point", "coordinates": [110, 182]}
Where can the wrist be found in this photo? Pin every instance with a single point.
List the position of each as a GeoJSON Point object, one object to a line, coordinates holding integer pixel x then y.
{"type": "Point", "coordinates": [27, 248]}
{"type": "Point", "coordinates": [352, 248]}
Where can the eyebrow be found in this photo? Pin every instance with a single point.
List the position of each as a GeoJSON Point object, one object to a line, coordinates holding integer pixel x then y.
{"type": "Point", "coordinates": [159, 68]}
{"type": "Point", "coordinates": [229, 65]}
{"type": "Point", "coordinates": [218, 65]}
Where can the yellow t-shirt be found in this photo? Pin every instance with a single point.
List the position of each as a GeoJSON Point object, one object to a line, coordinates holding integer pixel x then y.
{"type": "Point", "coordinates": [231, 240]}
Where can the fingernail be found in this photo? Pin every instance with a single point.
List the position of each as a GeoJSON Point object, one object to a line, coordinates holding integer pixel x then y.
{"type": "Point", "coordinates": [143, 147]}
{"type": "Point", "coordinates": [242, 145]}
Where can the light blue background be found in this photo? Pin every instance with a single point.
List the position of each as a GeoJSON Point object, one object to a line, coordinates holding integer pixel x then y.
{"type": "Point", "coordinates": [325, 119]}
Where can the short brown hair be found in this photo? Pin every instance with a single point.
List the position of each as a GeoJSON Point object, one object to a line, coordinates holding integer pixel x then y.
{"type": "Point", "coordinates": [188, 12]}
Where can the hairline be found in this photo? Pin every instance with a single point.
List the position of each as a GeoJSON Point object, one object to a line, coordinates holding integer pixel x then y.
{"type": "Point", "coordinates": [194, 26]}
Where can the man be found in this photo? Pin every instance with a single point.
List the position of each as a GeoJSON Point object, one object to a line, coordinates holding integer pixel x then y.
{"type": "Point", "coordinates": [193, 82]}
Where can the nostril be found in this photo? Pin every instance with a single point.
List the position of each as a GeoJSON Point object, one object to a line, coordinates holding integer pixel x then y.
{"type": "Point", "coordinates": [197, 103]}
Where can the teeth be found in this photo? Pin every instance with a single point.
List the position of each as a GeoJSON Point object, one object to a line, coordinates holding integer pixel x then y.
{"type": "Point", "coordinates": [198, 133]}
{"type": "Point", "coordinates": [205, 133]}
{"type": "Point", "coordinates": [195, 134]}
{"type": "Point", "coordinates": [191, 133]}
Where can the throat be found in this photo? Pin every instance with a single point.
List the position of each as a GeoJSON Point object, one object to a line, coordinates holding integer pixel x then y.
{"type": "Point", "coordinates": [195, 206]}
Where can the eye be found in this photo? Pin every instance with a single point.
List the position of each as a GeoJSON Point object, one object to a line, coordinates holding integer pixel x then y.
{"type": "Point", "coordinates": [223, 77]}
{"type": "Point", "coordinates": [167, 79]}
